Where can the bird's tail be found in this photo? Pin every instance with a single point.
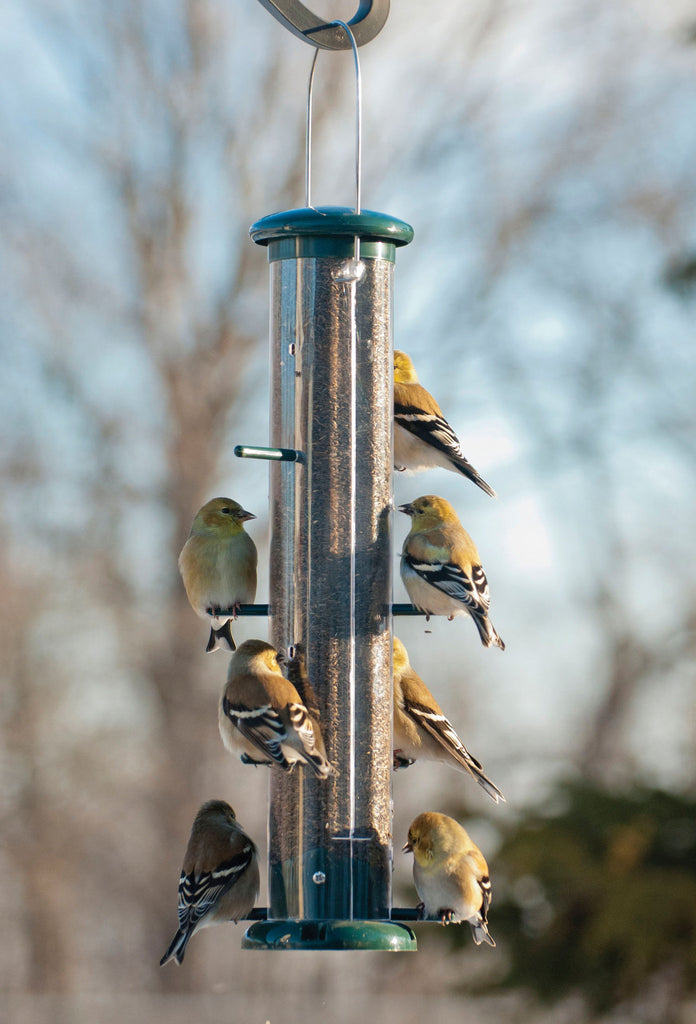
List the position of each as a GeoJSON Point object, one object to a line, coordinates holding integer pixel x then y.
{"type": "Point", "coordinates": [479, 930]}
{"type": "Point", "coordinates": [221, 638]}
{"type": "Point", "coordinates": [441, 729]}
{"type": "Point", "coordinates": [478, 773]}
{"type": "Point", "coordinates": [177, 948]}
{"type": "Point", "coordinates": [487, 631]}
{"type": "Point", "coordinates": [465, 467]}
{"type": "Point", "coordinates": [321, 767]}
{"type": "Point", "coordinates": [306, 739]}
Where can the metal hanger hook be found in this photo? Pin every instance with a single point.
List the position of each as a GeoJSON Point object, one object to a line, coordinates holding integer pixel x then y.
{"type": "Point", "coordinates": [298, 19]}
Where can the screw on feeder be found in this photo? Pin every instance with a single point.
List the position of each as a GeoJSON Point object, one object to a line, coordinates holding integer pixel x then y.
{"type": "Point", "coordinates": [350, 271]}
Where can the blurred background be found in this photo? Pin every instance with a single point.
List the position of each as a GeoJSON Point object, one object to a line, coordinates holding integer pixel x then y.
{"type": "Point", "coordinates": [545, 153]}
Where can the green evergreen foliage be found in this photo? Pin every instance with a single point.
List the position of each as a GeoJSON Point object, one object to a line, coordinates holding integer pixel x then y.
{"type": "Point", "coordinates": [597, 895]}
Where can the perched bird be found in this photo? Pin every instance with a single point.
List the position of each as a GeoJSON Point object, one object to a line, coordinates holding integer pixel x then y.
{"type": "Point", "coordinates": [450, 874]}
{"type": "Point", "coordinates": [441, 568]}
{"type": "Point", "coordinates": [218, 566]}
{"type": "Point", "coordinates": [423, 439]}
{"type": "Point", "coordinates": [262, 715]}
{"type": "Point", "coordinates": [421, 730]}
{"type": "Point", "coordinates": [220, 877]}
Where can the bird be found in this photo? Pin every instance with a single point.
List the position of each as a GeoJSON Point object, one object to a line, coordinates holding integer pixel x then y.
{"type": "Point", "coordinates": [423, 439]}
{"type": "Point", "coordinates": [218, 566]}
{"type": "Point", "coordinates": [262, 715]}
{"type": "Point", "coordinates": [450, 874]}
{"type": "Point", "coordinates": [220, 877]}
{"type": "Point", "coordinates": [441, 568]}
{"type": "Point", "coordinates": [422, 731]}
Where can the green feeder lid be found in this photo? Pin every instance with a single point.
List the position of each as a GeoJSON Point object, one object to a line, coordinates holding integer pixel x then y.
{"type": "Point", "coordinates": [330, 231]}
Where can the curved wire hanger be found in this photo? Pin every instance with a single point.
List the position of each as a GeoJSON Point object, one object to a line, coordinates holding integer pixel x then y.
{"type": "Point", "coordinates": [351, 270]}
{"type": "Point", "coordinates": [358, 120]}
{"type": "Point", "coordinates": [368, 21]}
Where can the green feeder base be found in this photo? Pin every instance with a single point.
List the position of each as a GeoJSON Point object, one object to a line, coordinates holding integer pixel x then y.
{"type": "Point", "coordinates": [389, 936]}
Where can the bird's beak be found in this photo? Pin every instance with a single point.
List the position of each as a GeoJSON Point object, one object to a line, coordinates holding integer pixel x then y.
{"type": "Point", "coordinates": [244, 515]}
{"type": "Point", "coordinates": [407, 848]}
{"type": "Point", "coordinates": [408, 509]}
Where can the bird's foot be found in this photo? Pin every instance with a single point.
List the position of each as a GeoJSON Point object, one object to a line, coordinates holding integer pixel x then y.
{"type": "Point", "coordinates": [445, 915]}
{"type": "Point", "coordinates": [246, 759]}
{"type": "Point", "coordinates": [402, 762]}
{"type": "Point", "coordinates": [420, 907]}
{"type": "Point", "coordinates": [450, 617]}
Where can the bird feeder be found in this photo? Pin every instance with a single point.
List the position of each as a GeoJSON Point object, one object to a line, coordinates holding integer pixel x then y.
{"type": "Point", "coordinates": [331, 357]}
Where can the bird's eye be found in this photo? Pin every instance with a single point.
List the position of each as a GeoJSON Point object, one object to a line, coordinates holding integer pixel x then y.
{"type": "Point", "coordinates": [226, 510]}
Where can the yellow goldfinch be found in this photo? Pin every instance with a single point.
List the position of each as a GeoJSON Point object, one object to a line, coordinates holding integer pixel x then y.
{"type": "Point", "coordinates": [421, 730]}
{"type": "Point", "coordinates": [441, 568]}
{"type": "Point", "coordinates": [220, 877]}
{"type": "Point", "coordinates": [423, 438]}
{"type": "Point", "coordinates": [450, 874]}
{"type": "Point", "coordinates": [262, 716]}
{"type": "Point", "coordinates": [218, 566]}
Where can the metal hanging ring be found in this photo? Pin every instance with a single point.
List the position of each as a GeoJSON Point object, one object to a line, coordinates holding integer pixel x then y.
{"type": "Point", "coordinates": [345, 30]}
{"type": "Point", "coordinates": [298, 19]}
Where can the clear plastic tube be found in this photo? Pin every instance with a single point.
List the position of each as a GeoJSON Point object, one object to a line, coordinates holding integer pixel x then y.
{"type": "Point", "coordinates": [330, 581]}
